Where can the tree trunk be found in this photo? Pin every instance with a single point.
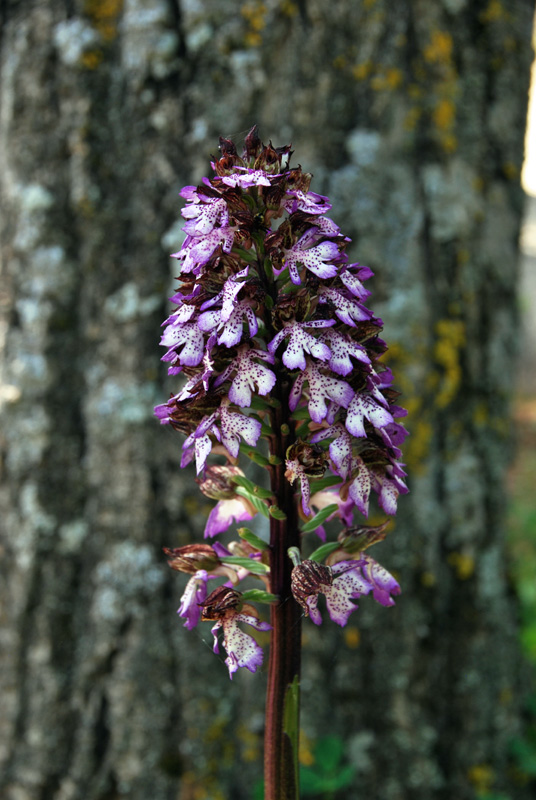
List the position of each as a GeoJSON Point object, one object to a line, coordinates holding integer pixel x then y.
{"type": "Point", "coordinates": [411, 116]}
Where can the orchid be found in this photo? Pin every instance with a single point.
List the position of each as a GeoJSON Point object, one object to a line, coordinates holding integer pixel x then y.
{"type": "Point", "coordinates": [281, 361]}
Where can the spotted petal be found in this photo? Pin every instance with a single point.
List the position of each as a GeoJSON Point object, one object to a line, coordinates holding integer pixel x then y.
{"type": "Point", "coordinates": [203, 217]}
{"type": "Point", "coordinates": [300, 342]}
{"type": "Point", "coordinates": [193, 596]}
{"type": "Point", "coordinates": [361, 407]}
{"type": "Point", "coordinates": [186, 338]}
{"type": "Point", "coordinates": [242, 650]}
{"type": "Point", "coordinates": [348, 310]}
{"type": "Point", "coordinates": [342, 347]}
{"type": "Point", "coordinates": [234, 426]}
{"type": "Point", "coordinates": [316, 259]}
{"type": "Point", "coordinates": [321, 388]}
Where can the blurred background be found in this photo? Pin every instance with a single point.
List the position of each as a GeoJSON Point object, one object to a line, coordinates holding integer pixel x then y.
{"type": "Point", "coordinates": [412, 118]}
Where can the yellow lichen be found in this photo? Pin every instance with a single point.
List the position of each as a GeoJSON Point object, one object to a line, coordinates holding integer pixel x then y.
{"type": "Point", "coordinates": [449, 143]}
{"type": "Point", "coordinates": [352, 637]}
{"type": "Point", "coordinates": [305, 753]}
{"type": "Point", "coordinates": [444, 114]}
{"type": "Point", "coordinates": [418, 421]}
{"type": "Point", "coordinates": [251, 744]}
{"type": "Point", "coordinates": [387, 79]}
{"type": "Point", "coordinates": [481, 415]}
{"type": "Point", "coordinates": [482, 777]}
{"type": "Point", "coordinates": [428, 579]}
{"type": "Point", "coordinates": [493, 13]}
{"type": "Point", "coordinates": [361, 71]}
{"type": "Point", "coordinates": [255, 14]}
{"type": "Point", "coordinates": [412, 118]}
{"type": "Point", "coordinates": [91, 59]}
{"type": "Point", "coordinates": [288, 8]}
{"type": "Point", "coordinates": [451, 338]}
{"type": "Point", "coordinates": [340, 62]}
{"type": "Point", "coordinates": [511, 171]}
{"type": "Point", "coordinates": [463, 563]}
{"type": "Point", "coordinates": [439, 49]}
{"type": "Point", "coordinates": [104, 15]}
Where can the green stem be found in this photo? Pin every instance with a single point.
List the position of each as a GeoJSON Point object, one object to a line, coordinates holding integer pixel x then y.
{"type": "Point", "coordinates": [282, 698]}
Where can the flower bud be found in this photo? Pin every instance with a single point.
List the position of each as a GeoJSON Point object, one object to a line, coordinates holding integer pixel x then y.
{"type": "Point", "coordinates": [290, 308]}
{"type": "Point", "coordinates": [269, 160]}
{"type": "Point", "coordinates": [307, 579]}
{"type": "Point", "coordinates": [192, 557]}
{"type": "Point", "coordinates": [217, 483]}
{"type": "Point", "coordinates": [219, 602]}
{"type": "Point", "coordinates": [358, 538]}
{"type": "Point", "coordinates": [252, 144]}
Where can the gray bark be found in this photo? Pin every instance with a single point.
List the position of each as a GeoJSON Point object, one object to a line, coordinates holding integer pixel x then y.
{"type": "Point", "coordinates": [411, 116]}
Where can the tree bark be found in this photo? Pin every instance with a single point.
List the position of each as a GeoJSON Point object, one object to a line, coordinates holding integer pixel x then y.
{"type": "Point", "coordinates": [411, 116]}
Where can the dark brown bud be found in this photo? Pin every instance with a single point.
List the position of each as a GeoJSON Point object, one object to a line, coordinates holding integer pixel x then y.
{"type": "Point", "coordinates": [307, 579]}
{"type": "Point", "coordinates": [269, 160]}
{"type": "Point", "coordinates": [217, 483]}
{"type": "Point", "coordinates": [191, 557]}
{"type": "Point", "coordinates": [309, 456]}
{"type": "Point", "coordinates": [289, 308]}
{"type": "Point", "coordinates": [252, 144]}
{"type": "Point", "coordinates": [219, 602]}
{"type": "Point", "coordinates": [186, 415]}
{"type": "Point", "coordinates": [227, 147]}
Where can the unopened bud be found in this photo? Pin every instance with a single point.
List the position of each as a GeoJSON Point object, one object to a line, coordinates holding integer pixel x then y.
{"type": "Point", "coordinates": [252, 144]}
{"type": "Point", "coordinates": [217, 482]}
{"type": "Point", "coordinates": [192, 557]}
{"type": "Point", "coordinates": [358, 538]}
{"type": "Point", "coordinates": [269, 160]}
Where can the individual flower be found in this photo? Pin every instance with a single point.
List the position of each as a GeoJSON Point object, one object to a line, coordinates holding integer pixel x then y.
{"type": "Point", "coordinates": [321, 387]}
{"type": "Point", "coordinates": [248, 374]}
{"type": "Point", "coordinates": [300, 342]}
{"type": "Point", "coordinates": [304, 461]}
{"type": "Point", "coordinates": [316, 259]}
{"type": "Point", "coordinates": [217, 484]}
{"type": "Point", "coordinates": [341, 584]}
{"type": "Point", "coordinates": [226, 607]}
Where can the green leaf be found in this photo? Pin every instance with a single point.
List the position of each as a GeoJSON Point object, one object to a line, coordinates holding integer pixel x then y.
{"type": "Point", "coordinates": [258, 596]}
{"type": "Point", "coordinates": [256, 502]}
{"type": "Point", "coordinates": [252, 539]}
{"type": "Point", "coordinates": [276, 512]}
{"type": "Point", "coordinates": [301, 413]}
{"type": "Point", "coordinates": [319, 518]}
{"type": "Point", "coordinates": [257, 458]}
{"type": "Point", "coordinates": [259, 403]}
{"type": "Point", "coordinates": [291, 719]}
{"type": "Point", "coordinates": [256, 567]}
{"type": "Point", "coordinates": [251, 487]}
{"type": "Point", "coordinates": [325, 483]}
{"type": "Point", "coordinates": [323, 551]}
{"type": "Point", "coordinates": [302, 430]}
{"type": "Point", "coordinates": [246, 255]}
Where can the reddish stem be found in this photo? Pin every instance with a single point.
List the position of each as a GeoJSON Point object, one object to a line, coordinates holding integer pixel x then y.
{"type": "Point", "coordinates": [280, 758]}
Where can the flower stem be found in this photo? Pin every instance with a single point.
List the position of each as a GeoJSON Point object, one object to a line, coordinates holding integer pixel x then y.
{"type": "Point", "coordinates": [282, 698]}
